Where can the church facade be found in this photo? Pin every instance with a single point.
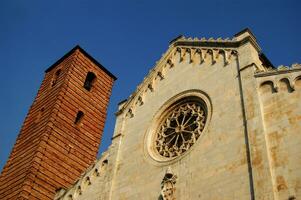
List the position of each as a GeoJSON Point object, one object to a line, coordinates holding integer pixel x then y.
{"type": "Point", "coordinates": [214, 120]}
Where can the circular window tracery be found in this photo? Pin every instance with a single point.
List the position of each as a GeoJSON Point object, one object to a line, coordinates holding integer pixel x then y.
{"type": "Point", "coordinates": [180, 127]}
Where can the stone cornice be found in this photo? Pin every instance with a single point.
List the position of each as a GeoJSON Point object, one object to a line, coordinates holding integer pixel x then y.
{"type": "Point", "coordinates": [279, 70]}
{"type": "Point", "coordinates": [219, 42]}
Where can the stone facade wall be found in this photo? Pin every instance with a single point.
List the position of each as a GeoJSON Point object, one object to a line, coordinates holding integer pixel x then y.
{"type": "Point", "coordinates": [211, 164]}
{"type": "Point", "coordinates": [249, 148]}
{"type": "Point", "coordinates": [280, 94]}
{"type": "Point", "coordinates": [51, 151]}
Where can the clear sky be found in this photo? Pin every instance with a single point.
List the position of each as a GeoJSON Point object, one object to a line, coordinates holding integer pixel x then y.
{"type": "Point", "coordinates": [127, 37]}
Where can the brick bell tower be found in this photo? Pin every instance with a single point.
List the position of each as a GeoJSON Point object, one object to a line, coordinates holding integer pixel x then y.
{"type": "Point", "coordinates": [62, 131]}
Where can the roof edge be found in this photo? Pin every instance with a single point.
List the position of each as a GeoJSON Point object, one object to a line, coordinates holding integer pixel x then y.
{"type": "Point", "coordinates": [265, 60]}
{"type": "Point", "coordinates": [77, 47]}
{"type": "Point", "coordinates": [243, 31]}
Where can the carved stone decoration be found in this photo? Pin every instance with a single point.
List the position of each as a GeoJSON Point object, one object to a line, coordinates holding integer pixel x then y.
{"type": "Point", "coordinates": [180, 129]}
{"type": "Point", "coordinates": [210, 53]}
{"type": "Point", "coordinates": [227, 56]}
{"type": "Point", "coordinates": [192, 55]}
{"type": "Point", "coordinates": [130, 113]}
{"type": "Point", "coordinates": [87, 181]}
{"type": "Point", "coordinates": [168, 186]}
{"type": "Point", "coordinates": [204, 55]}
{"type": "Point", "coordinates": [215, 55]}
{"type": "Point", "coordinates": [160, 75]}
{"type": "Point", "coordinates": [179, 50]}
{"type": "Point", "coordinates": [150, 87]}
{"type": "Point", "coordinates": [188, 51]}
{"type": "Point", "coordinates": [79, 190]}
{"type": "Point", "coordinates": [140, 101]}
{"type": "Point", "coordinates": [171, 64]}
{"type": "Point", "coordinates": [184, 52]}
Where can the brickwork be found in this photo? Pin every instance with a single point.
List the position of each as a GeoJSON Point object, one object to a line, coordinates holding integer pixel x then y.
{"type": "Point", "coordinates": [51, 151]}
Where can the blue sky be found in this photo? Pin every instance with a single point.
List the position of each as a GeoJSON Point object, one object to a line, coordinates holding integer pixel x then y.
{"type": "Point", "coordinates": [127, 37]}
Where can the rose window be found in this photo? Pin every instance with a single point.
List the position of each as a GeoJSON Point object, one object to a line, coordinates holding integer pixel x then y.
{"type": "Point", "coordinates": [180, 129]}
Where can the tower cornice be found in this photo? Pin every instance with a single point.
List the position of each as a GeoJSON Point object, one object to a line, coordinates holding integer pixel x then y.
{"type": "Point", "coordinates": [77, 47]}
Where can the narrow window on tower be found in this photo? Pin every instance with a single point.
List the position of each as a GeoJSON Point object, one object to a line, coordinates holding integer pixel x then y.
{"type": "Point", "coordinates": [79, 117]}
{"type": "Point", "coordinates": [90, 79]}
{"type": "Point", "coordinates": [55, 77]}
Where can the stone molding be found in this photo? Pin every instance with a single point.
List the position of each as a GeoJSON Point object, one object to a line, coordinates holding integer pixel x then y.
{"type": "Point", "coordinates": [282, 69]}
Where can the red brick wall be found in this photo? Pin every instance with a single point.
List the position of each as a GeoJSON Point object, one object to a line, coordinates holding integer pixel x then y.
{"type": "Point", "coordinates": [51, 151]}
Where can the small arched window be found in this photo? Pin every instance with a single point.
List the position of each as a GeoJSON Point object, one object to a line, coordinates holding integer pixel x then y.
{"type": "Point", "coordinates": [90, 79]}
{"type": "Point", "coordinates": [79, 117]}
{"type": "Point", "coordinates": [55, 78]}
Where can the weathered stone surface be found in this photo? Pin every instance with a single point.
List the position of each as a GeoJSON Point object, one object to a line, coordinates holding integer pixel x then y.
{"type": "Point", "coordinates": [249, 148]}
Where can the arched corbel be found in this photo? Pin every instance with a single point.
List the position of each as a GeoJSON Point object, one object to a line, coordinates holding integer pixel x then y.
{"type": "Point", "coordinates": [184, 53]}
{"type": "Point", "coordinates": [160, 75]}
{"type": "Point", "coordinates": [215, 55]}
{"type": "Point", "coordinates": [210, 53]}
{"type": "Point", "coordinates": [87, 181]}
{"type": "Point", "coordinates": [271, 84]}
{"type": "Point", "coordinates": [192, 55]}
{"type": "Point", "coordinates": [170, 63]}
{"type": "Point", "coordinates": [140, 101]}
{"type": "Point", "coordinates": [180, 51]}
{"type": "Point", "coordinates": [104, 163]}
{"type": "Point", "coordinates": [200, 54]}
{"type": "Point", "coordinates": [287, 83]}
{"type": "Point", "coordinates": [96, 172]}
{"type": "Point", "coordinates": [203, 55]}
{"type": "Point", "coordinates": [234, 53]}
{"type": "Point", "coordinates": [296, 81]}
{"type": "Point", "coordinates": [223, 53]}
{"type": "Point", "coordinates": [79, 190]}
{"type": "Point", "coordinates": [188, 51]}
{"type": "Point", "coordinates": [227, 56]}
{"type": "Point", "coordinates": [150, 87]}
{"type": "Point", "coordinates": [130, 113]}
